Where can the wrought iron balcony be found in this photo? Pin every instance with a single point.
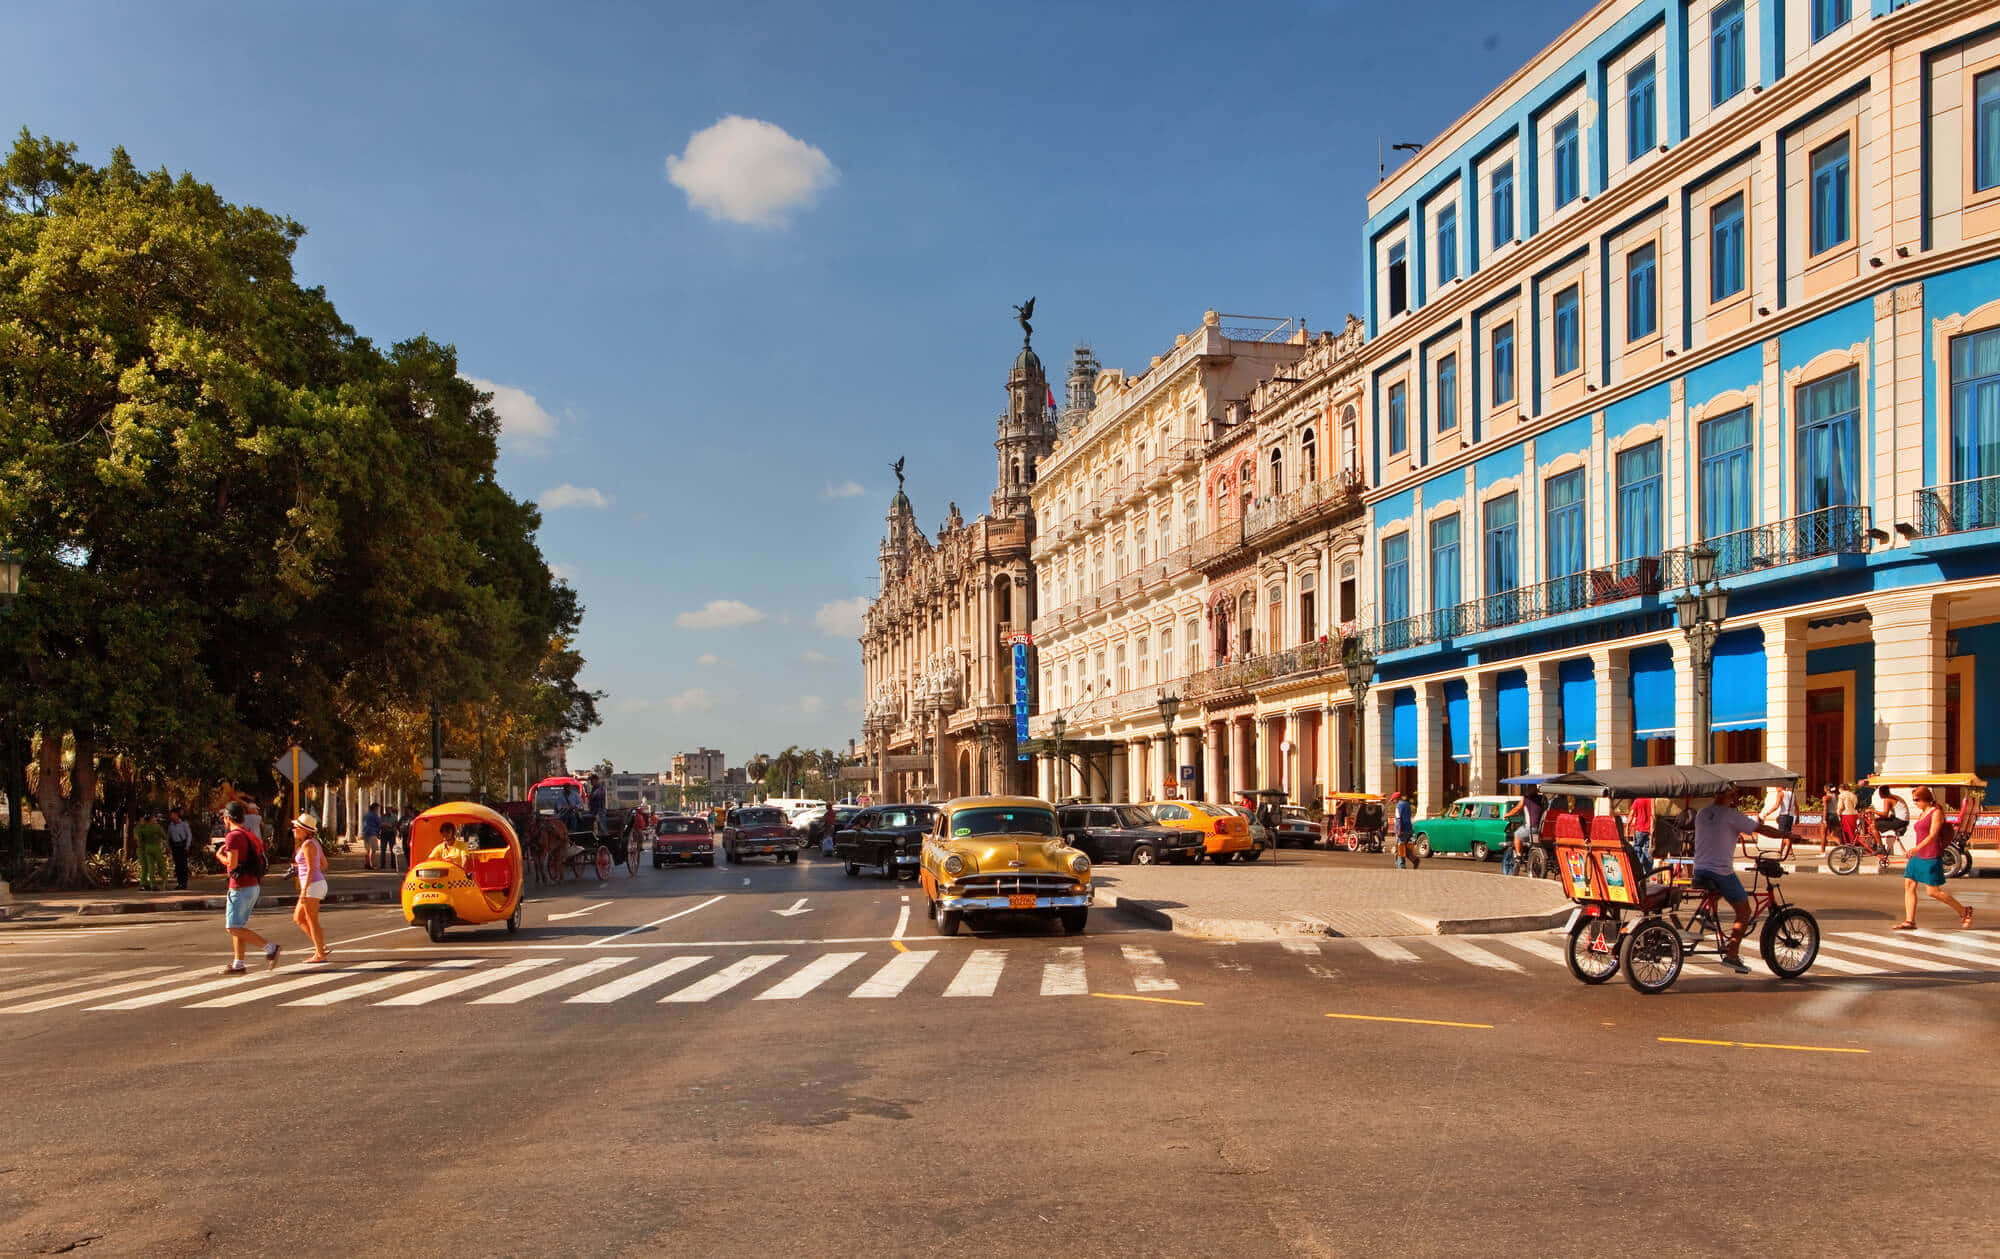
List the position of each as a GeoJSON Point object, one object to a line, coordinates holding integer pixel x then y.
{"type": "Point", "coordinates": [1316, 502]}
{"type": "Point", "coordinates": [1959, 506]}
{"type": "Point", "coordinates": [1219, 546]}
{"type": "Point", "coordinates": [1828, 531]}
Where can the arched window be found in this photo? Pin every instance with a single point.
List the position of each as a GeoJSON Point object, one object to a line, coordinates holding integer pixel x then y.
{"type": "Point", "coordinates": [1308, 457]}
{"type": "Point", "coordinates": [1014, 473]}
{"type": "Point", "coordinates": [1221, 632]}
{"type": "Point", "coordinates": [1350, 446]}
{"type": "Point", "coordinates": [1277, 471]}
{"type": "Point", "coordinates": [1003, 600]}
{"type": "Point", "coordinates": [1245, 480]}
{"type": "Point", "coordinates": [1274, 618]}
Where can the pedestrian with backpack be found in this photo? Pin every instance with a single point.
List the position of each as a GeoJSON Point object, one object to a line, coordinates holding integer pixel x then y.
{"type": "Point", "coordinates": [242, 855]}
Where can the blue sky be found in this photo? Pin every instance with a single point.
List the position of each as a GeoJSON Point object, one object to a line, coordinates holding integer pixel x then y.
{"type": "Point", "coordinates": [701, 390]}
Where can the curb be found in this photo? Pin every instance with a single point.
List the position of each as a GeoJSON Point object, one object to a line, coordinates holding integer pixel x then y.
{"type": "Point", "coordinates": [1499, 925]}
{"type": "Point", "coordinates": [1152, 914]}
{"type": "Point", "coordinates": [195, 904]}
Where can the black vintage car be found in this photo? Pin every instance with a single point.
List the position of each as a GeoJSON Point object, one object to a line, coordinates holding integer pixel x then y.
{"type": "Point", "coordinates": [1125, 833]}
{"type": "Point", "coordinates": [889, 837]}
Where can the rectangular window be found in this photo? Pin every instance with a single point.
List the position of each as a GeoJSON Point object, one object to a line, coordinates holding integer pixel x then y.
{"type": "Point", "coordinates": [1974, 500]}
{"type": "Point", "coordinates": [1447, 244]}
{"type": "Point", "coordinates": [1399, 419]}
{"type": "Point", "coordinates": [1308, 607]}
{"type": "Point", "coordinates": [1191, 644]}
{"type": "Point", "coordinates": [1445, 592]}
{"type": "Point", "coordinates": [1642, 293]}
{"type": "Point", "coordinates": [1567, 527]}
{"type": "Point", "coordinates": [1829, 413]}
{"type": "Point", "coordinates": [1568, 333]}
{"type": "Point", "coordinates": [1830, 219]}
{"type": "Point", "coordinates": [1986, 131]}
{"type": "Point", "coordinates": [1166, 654]}
{"type": "Point", "coordinates": [1395, 578]}
{"type": "Point", "coordinates": [1727, 53]}
{"type": "Point", "coordinates": [1725, 249]}
{"type": "Point", "coordinates": [1503, 364]}
{"type": "Point", "coordinates": [1639, 485]}
{"type": "Point", "coordinates": [1564, 155]}
{"type": "Point", "coordinates": [1399, 280]}
{"type": "Point", "coordinates": [1502, 558]}
{"type": "Point", "coordinates": [1447, 399]}
{"type": "Point", "coordinates": [1144, 656]}
{"type": "Point", "coordinates": [1503, 204]}
{"type": "Point", "coordinates": [1829, 16]}
{"type": "Point", "coordinates": [1641, 111]}
{"type": "Point", "coordinates": [1728, 493]}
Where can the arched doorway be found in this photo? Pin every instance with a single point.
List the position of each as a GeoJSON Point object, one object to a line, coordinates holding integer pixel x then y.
{"type": "Point", "coordinates": [965, 787]}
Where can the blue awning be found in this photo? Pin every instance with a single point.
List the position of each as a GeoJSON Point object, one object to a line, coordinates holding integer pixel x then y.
{"type": "Point", "coordinates": [1403, 708]}
{"type": "Point", "coordinates": [1740, 681]}
{"type": "Point", "coordinates": [1458, 720]}
{"type": "Point", "coordinates": [1579, 702]}
{"type": "Point", "coordinates": [1653, 692]}
{"type": "Point", "coordinates": [1511, 700]}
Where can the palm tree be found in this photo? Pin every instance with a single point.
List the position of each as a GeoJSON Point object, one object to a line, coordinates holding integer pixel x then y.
{"type": "Point", "coordinates": [788, 764]}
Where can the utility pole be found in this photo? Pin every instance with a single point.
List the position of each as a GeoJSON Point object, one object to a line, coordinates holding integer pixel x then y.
{"type": "Point", "coordinates": [437, 755]}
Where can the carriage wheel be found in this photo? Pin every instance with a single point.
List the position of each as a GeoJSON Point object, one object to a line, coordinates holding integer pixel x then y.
{"type": "Point", "coordinates": [632, 855]}
{"type": "Point", "coordinates": [603, 863]}
{"type": "Point", "coordinates": [1593, 949]}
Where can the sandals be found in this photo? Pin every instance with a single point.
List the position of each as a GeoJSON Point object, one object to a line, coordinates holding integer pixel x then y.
{"type": "Point", "coordinates": [1965, 920]}
{"type": "Point", "coordinates": [1905, 925]}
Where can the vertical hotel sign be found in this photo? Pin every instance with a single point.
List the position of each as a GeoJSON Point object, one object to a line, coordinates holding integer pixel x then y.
{"type": "Point", "coordinates": [1020, 644]}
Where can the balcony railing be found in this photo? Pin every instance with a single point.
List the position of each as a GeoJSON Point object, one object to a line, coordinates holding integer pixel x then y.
{"type": "Point", "coordinates": [1246, 673]}
{"type": "Point", "coordinates": [1828, 531]}
{"type": "Point", "coordinates": [1959, 506]}
{"type": "Point", "coordinates": [1315, 501]}
{"type": "Point", "coordinates": [1218, 544]}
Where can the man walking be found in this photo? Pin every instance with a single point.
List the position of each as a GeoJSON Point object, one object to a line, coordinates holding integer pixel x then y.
{"type": "Point", "coordinates": [242, 854]}
{"type": "Point", "coordinates": [1405, 849]}
{"type": "Point", "coordinates": [371, 835]}
{"type": "Point", "coordinates": [152, 840]}
{"type": "Point", "coordinates": [180, 840]}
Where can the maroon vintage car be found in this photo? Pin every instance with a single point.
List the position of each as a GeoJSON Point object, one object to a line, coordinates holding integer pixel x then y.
{"type": "Point", "coordinates": [759, 831]}
{"type": "Point", "coordinates": [683, 839]}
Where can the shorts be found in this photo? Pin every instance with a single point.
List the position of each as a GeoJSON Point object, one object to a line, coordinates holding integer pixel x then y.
{"type": "Point", "coordinates": [314, 891]}
{"type": "Point", "coordinates": [1728, 884]}
{"type": "Point", "coordinates": [1928, 871]}
{"type": "Point", "coordinates": [236, 911]}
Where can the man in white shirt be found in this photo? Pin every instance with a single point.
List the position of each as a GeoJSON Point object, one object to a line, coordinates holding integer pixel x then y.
{"type": "Point", "coordinates": [1717, 828]}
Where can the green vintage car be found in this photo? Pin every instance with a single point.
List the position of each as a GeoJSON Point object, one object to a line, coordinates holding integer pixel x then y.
{"type": "Point", "coordinates": [1480, 825]}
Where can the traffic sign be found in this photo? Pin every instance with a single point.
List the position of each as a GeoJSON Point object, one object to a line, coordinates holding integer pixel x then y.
{"type": "Point", "coordinates": [1187, 773]}
{"type": "Point", "coordinates": [455, 764]}
{"type": "Point", "coordinates": [296, 764]}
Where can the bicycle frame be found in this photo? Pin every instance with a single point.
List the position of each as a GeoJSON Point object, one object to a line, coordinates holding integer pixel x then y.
{"type": "Point", "coordinates": [1766, 897]}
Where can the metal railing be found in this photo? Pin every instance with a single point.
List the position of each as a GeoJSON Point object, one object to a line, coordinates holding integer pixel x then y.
{"type": "Point", "coordinates": [1315, 501]}
{"type": "Point", "coordinates": [1216, 544]}
{"type": "Point", "coordinates": [1958, 506]}
{"type": "Point", "coordinates": [1828, 531]}
{"type": "Point", "coordinates": [1326, 655]}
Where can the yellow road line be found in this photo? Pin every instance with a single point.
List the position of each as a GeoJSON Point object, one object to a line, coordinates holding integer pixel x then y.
{"type": "Point", "coordinates": [1748, 1044]}
{"type": "Point", "coordinates": [1122, 996]}
{"type": "Point", "coordinates": [1385, 1018]}
{"type": "Point", "coordinates": [900, 946]}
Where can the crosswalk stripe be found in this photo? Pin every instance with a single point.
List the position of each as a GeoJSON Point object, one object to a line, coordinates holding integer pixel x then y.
{"type": "Point", "coordinates": [980, 974]}
{"type": "Point", "coordinates": [1299, 944]}
{"type": "Point", "coordinates": [725, 979]}
{"type": "Point", "coordinates": [149, 999]}
{"type": "Point", "coordinates": [78, 981]}
{"type": "Point", "coordinates": [291, 983]}
{"type": "Point", "coordinates": [1901, 961]}
{"type": "Point", "coordinates": [895, 975]}
{"type": "Point", "coordinates": [1466, 951]}
{"type": "Point", "coordinates": [394, 979]}
{"type": "Point", "coordinates": [1960, 940]}
{"type": "Point", "coordinates": [809, 976]}
{"type": "Point", "coordinates": [625, 985]}
{"type": "Point", "coordinates": [1064, 977]}
{"type": "Point", "coordinates": [1927, 950]}
{"type": "Point", "coordinates": [1387, 950]}
{"type": "Point", "coordinates": [1839, 967]}
{"type": "Point", "coordinates": [544, 983]}
{"type": "Point", "coordinates": [468, 982]}
{"type": "Point", "coordinates": [108, 990]}
{"type": "Point", "coordinates": [1541, 946]}
{"type": "Point", "coordinates": [1146, 962]}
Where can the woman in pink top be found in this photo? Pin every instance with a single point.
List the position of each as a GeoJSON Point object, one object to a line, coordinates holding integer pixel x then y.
{"type": "Point", "coordinates": [1925, 866]}
{"type": "Point", "coordinates": [309, 864]}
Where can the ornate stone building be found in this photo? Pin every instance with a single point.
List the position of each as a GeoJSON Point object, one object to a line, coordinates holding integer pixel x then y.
{"type": "Point", "coordinates": [937, 663]}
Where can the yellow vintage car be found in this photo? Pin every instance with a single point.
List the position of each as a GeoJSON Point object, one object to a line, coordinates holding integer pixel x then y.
{"type": "Point", "coordinates": [1002, 854]}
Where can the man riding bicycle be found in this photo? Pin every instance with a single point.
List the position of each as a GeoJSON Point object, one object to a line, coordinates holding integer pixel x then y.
{"type": "Point", "coordinates": [1717, 827]}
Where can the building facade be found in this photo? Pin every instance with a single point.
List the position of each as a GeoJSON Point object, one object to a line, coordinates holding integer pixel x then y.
{"type": "Point", "coordinates": [1705, 273]}
{"type": "Point", "coordinates": [703, 765]}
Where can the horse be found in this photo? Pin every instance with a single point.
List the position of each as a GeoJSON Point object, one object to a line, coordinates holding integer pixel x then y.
{"type": "Point", "coordinates": [545, 841]}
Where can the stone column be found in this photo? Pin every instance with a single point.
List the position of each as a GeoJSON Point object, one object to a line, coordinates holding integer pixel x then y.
{"type": "Point", "coordinates": [1118, 767]}
{"type": "Point", "coordinates": [1482, 708]}
{"type": "Point", "coordinates": [1909, 681]}
{"type": "Point", "coordinates": [1689, 749]}
{"type": "Point", "coordinates": [1545, 754]}
{"type": "Point", "coordinates": [1430, 750]}
{"type": "Point", "coordinates": [1785, 701]}
{"type": "Point", "coordinates": [1378, 748]}
{"type": "Point", "coordinates": [1212, 786]}
{"type": "Point", "coordinates": [1340, 745]}
{"type": "Point", "coordinates": [1613, 670]}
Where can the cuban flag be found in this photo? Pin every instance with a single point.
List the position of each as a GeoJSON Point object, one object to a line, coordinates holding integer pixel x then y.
{"type": "Point", "coordinates": [1052, 396]}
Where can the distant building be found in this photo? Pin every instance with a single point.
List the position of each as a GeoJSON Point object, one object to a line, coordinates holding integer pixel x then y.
{"type": "Point", "coordinates": [703, 765]}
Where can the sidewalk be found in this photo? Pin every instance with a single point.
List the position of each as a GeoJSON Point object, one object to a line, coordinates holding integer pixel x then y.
{"type": "Point", "coordinates": [347, 884]}
{"type": "Point", "coordinates": [1260, 901]}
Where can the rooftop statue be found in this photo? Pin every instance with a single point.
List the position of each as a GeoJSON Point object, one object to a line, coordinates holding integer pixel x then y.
{"type": "Point", "coordinates": [1024, 312]}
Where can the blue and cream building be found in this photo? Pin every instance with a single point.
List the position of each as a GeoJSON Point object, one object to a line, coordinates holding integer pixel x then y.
{"type": "Point", "coordinates": [1704, 271]}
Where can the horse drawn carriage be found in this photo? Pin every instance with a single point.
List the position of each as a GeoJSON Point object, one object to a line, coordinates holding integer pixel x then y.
{"type": "Point", "coordinates": [567, 837]}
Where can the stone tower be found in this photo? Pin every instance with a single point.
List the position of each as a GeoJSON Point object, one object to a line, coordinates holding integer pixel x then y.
{"type": "Point", "coordinates": [1027, 433]}
{"type": "Point", "coordinates": [902, 536]}
{"type": "Point", "coordinates": [1081, 392]}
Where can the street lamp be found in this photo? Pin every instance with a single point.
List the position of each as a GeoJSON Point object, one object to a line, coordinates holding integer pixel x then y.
{"type": "Point", "coordinates": [1360, 668]}
{"type": "Point", "coordinates": [1056, 727]}
{"type": "Point", "coordinates": [10, 587]}
{"type": "Point", "coordinates": [1700, 609]}
{"type": "Point", "coordinates": [1170, 707]}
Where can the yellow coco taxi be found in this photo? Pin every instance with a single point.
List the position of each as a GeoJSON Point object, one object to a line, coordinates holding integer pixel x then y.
{"type": "Point", "coordinates": [1001, 854]}
{"type": "Point", "coordinates": [1225, 832]}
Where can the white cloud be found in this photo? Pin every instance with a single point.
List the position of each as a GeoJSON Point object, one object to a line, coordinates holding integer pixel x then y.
{"type": "Point", "coordinates": [846, 489]}
{"type": "Point", "coordinates": [811, 703]}
{"type": "Point", "coordinates": [526, 427]}
{"type": "Point", "coordinates": [816, 657]}
{"type": "Point", "coordinates": [567, 495]}
{"type": "Point", "coordinates": [746, 170]}
{"type": "Point", "coordinates": [842, 617]}
{"type": "Point", "coordinates": [693, 700]}
{"type": "Point", "coordinates": [632, 706]}
{"type": "Point", "coordinates": [852, 703]}
{"type": "Point", "coordinates": [707, 660]}
{"type": "Point", "coordinates": [720, 614]}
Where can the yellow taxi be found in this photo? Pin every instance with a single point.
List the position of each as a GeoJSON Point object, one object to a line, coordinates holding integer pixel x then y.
{"type": "Point", "coordinates": [1002, 854]}
{"type": "Point", "coordinates": [1225, 832]}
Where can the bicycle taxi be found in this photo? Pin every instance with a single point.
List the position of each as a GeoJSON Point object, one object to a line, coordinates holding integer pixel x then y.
{"type": "Point", "coordinates": [1961, 796]}
{"type": "Point", "coordinates": [1645, 922]}
{"type": "Point", "coordinates": [1354, 821]}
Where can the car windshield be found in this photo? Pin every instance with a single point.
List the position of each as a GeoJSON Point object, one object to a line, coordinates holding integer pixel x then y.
{"type": "Point", "coordinates": [1133, 815]}
{"type": "Point", "coordinates": [549, 799]}
{"type": "Point", "coordinates": [1293, 813]}
{"type": "Point", "coordinates": [1022, 821]}
{"type": "Point", "coordinates": [683, 826]}
{"type": "Point", "coordinates": [759, 817]}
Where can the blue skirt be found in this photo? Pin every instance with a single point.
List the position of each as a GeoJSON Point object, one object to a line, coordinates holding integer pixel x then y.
{"type": "Point", "coordinates": [1925, 870]}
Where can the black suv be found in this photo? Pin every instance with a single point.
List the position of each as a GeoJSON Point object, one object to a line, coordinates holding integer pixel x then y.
{"type": "Point", "coordinates": [889, 837]}
{"type": "Point", "coordinates": [1126, 833]}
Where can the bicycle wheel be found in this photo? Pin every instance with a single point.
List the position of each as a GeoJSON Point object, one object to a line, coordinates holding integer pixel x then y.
{"type": "Point", "coordinates": [1652, 956]}
{"type": "Point", "coordinates": [1790, 942]}
{"type": "Point", "coordinates": [1843, 859]}
{"type": "Point", "coordinates": [1592, 954]}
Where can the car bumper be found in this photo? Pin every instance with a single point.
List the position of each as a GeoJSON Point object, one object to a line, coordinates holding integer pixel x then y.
{"type": "Point", "coordinates": [1079, 901]}
{"type": "Point", "coordinates": [907, 859]}
{"type": "Point", "coordinates": [683, 854]}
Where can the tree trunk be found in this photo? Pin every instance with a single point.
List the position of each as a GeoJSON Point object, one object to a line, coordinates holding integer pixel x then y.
{"type": "Point", "coordinates": [66, 813]}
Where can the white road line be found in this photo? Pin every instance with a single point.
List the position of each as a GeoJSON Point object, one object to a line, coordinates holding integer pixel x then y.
{"type": "Point", "coordinates": [1299, 944]}
{"type": "Point", "coordinates": [544, 983]}
{"type": "Point", "coordinates": [211, 984]}
{"type": "Point", "coordinates": [895, 975]}
{"type": "Point", "coordinates": [1064, 977]}
{"type": "Point", "coordinates": [1545, 949]}
{"type": "Point", "coordinates": [1966, 941]}
{"type": "Point", "coordinates": [980, 974]}
{"type": "Point", "coordinates": [1898, 961]}
{"type": "Point", "coordinates": [1387, 950]}
{"type": "Point", "coordinates": [394, 979]}
{"type": "Point", "coordinates": [648, 926]}
{"type": "Point", "coordinates": [109, 990]}
{"type": "Point", "coordinates": [625, 985]}
{"type": "Point", "coordinates": [1900, 946]}
{"type": "Point", "coordinates": [1145, 962]}
{"type": "Point", "coordinates": [1466, 951]}
{"type": "Point", "coordinates": [79, 981]}
{"type": "Point", "coordinates": [466, 983]}
{"type": "Point", "coordinates": [1823, 962]}
{"type": "Point", "coordinates": [902, 921]}
{"type": "Point", "coordinates": [371, 936]}
{"type": "Point", "coordinates": [311, 979]}
{"type": "Point", "coordinates": [809, 976]}
{"type": "Point", "coordinates": [725, 979]}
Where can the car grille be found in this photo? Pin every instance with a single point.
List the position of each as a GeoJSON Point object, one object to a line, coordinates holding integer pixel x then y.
{"type": "Point", "coordinates": [1016, 885]}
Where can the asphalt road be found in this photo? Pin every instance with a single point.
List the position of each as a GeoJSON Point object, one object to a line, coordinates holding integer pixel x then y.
{"type": "Point", "coordinates": [670, 1064]}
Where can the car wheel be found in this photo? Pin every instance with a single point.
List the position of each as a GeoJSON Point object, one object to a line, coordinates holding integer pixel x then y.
{"type": "Point", "coordinates": [1222, 858]}
{"type": "Point", "coordinates": [1479, 850]}
{"type": "Point", "coordinates": [1073, 920]}
{"type": "Point", "coordinates": [657, 863]}
{"type": "Point", "coordinates": [853, 870]}
{"type": "Point", "coordinates": [1423, 847]}
{"type": "Point", "coordinates": [1143, 855]}
{"type": "Point", "coordinates": [709, 860]}
{"type": "Point", "coordinates": [948, 921]}
{"type": "Point", "coordinates": [434, 925]}
{"type": "Point", "coordinates": [1253, 854]}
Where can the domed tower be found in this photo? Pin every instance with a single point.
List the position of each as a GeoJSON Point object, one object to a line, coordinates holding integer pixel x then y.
{"type": "Point", "coordinates": [902, 533]}
{"type": "Point", "coordinates": [1027, 428]}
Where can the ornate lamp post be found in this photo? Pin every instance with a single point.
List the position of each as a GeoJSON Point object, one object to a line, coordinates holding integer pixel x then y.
{"type": "Point", "coordinates": [1056, 727]}
{"type": "Point", "coordinates": [10, 587]}
{"type": "Point", "coordinates": [1701, 608]}
{"type": "Point", "coordinates": [1170, 707]}
{"type": "Point", "coordinates": [1360, 668]}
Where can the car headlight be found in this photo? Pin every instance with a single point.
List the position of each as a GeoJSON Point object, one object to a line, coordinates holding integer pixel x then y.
{"type": "Point", "coordinates": [954, 865]}
{"type": "Point", "coordinates": [1079, 864]}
